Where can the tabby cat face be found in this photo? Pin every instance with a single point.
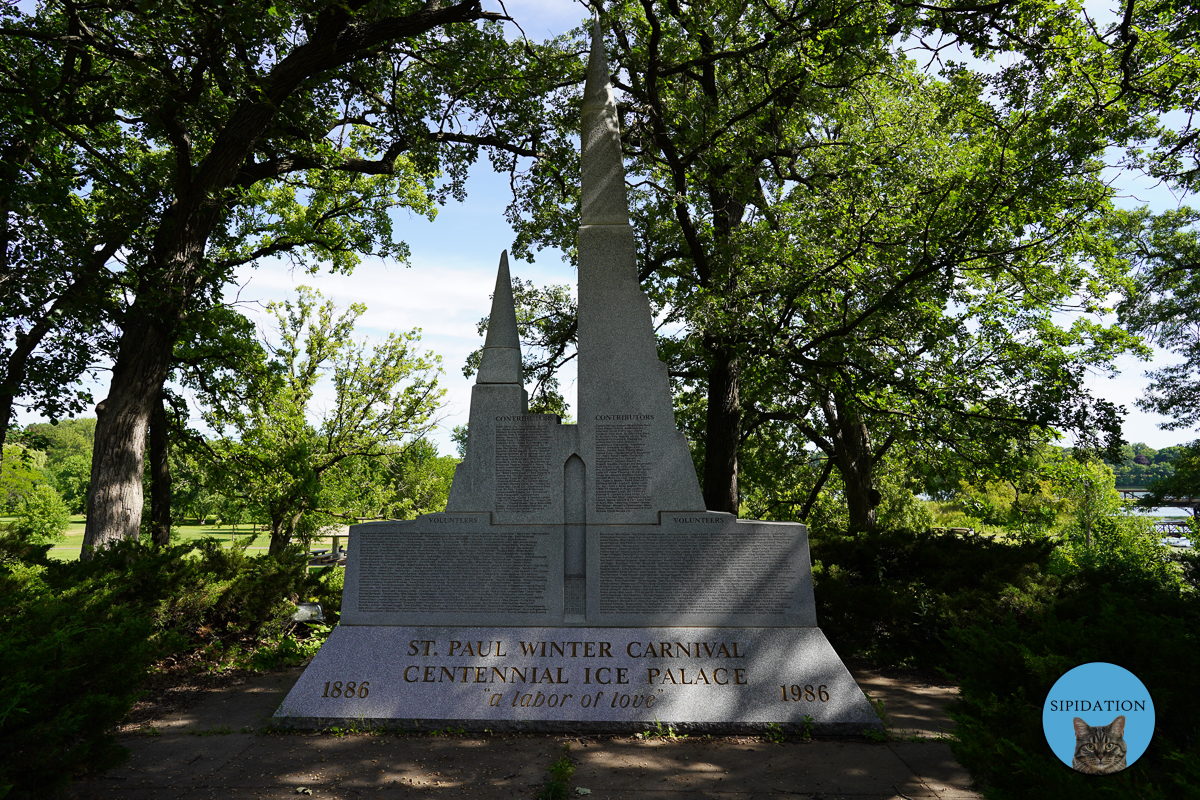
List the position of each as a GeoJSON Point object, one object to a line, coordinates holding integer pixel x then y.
{"type": "Point", "coordinates": [1100, 750]}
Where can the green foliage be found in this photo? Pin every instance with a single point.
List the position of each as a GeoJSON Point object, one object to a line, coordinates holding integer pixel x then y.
{"type": "Point", "coordinates": [1126, 550]}
{"type": "Point", "coordinates": [558, 787]}
{"type": "Point", "coordinates": [41, 516]}
{"type": "Point", "coordinates": [1184, 481]}
{"type": "Point", "coordinates": [1164, 302]}
{"type": "Point", "coordinates": [21, 471]}
{"type": "Point", "coordinates": [77, 638]}
{"type": "Point", "coordinates": [1096, 613]}
{"type": "Point", "coordinates": [299, 473]}
{"type": "Point", "coordinates": [421, 480]}
{"type": "Point", "coordinates": [1047, 491]}
{"type": "Point", "coordinates": [1006, 618]}
{"type": "Point", "coordinates": [1089, 489]}
{"type": "Point", "coordinates": [67, 444]}
{"type": "Point", "coordinates": [892, 595]}
{"type": "Point", "coordinates": [1142, 464]}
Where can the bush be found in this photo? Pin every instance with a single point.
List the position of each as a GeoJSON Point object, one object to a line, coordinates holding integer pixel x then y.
{"type": "Point", "coordinates": [78, 638]}
{"type": "Point", "coordinates": [1006, 670]}
{"type": "Point", "coordinates": [42, 516]}
{"type": "Point", "coordinates": [1126, 550]}
{"type": "Point", "coordinates": [1006, 620]}
{"type": "Point", "coordinates": [892, 596]}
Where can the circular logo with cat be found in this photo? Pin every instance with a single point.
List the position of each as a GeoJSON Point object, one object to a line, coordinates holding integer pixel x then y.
{"type": "Point", "coordinates": [1098, 718]}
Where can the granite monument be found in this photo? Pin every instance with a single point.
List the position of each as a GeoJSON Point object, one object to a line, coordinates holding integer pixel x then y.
{"type": "Point", "coordinates": [576, 581]}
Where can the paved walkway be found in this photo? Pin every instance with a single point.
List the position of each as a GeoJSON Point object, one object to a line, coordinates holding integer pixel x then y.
{"type": "Point", "coordinates": [211, 751]}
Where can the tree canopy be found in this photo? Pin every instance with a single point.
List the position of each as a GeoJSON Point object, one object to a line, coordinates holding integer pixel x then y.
{"type": "Point", "coordinates": [301, 467]}
{"type": "Point", "coordinates": [156, 147]}
{"type": "Point", "coordinates": [867, 253]}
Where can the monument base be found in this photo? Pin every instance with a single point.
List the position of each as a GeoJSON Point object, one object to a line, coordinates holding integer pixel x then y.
{"type": "Point", "coordinates": [598, 680]}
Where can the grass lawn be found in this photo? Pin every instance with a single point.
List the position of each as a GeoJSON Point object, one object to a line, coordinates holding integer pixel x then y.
{"type": "Point", "coordinates": [68, 549]}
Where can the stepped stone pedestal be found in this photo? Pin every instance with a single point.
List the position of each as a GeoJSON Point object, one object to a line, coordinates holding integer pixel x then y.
{"type": "Point", "coordinates": [575, 581]}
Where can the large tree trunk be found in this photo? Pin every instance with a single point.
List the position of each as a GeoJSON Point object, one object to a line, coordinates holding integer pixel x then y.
{"type": "Point", "coordinates": [160, 477]}
{"type": "Point", "coordinates": [723, 435]}
{"type": "Point", "coordinates": [114, 506]}
{"type": "Point", "coordinates": [854, 461]}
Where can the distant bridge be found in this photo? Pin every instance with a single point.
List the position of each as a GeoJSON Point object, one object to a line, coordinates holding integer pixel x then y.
{"type": "Point", "coordinates": [1172, 527]}
{"type": "Point", "coordinates": [1136, 492]}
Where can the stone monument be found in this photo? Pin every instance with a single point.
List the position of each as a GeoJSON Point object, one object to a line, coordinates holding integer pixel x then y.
{"type": "Point", "coordinates": [576, 581]}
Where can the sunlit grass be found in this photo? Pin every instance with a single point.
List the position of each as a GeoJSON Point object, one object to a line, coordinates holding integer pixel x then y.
{"type": "Point", "coordinates": [68, 549]}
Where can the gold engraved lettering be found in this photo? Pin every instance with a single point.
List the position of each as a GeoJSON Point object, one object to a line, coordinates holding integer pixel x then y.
{"type": "Point", "coordinates": [336, 689]}
{"type": "Point", "coordinates": [538, 700]}
{"type": "Point", "coordinates": [621, 700]}
{"type": "Point", "coordinates": [682, 650]}
{"type": "Point", "coordinates": [796, 693]}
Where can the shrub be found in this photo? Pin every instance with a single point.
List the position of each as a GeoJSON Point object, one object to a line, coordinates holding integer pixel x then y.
{"type": "Point", "coordinates": [1006, 670]}
{"type": "Point", "coordinates": [1126, 550]}
{"type": "Point", "coordinates": [892, 595]}
{"type": "Point", "coordinates": [42, 516]}
{"type": "Point", "coordinates": [77, 639]}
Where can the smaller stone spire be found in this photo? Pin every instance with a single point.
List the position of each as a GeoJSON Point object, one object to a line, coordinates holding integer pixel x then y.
{"type": "Point", "coordinates": [602, 183]}
{"type": "Point", "coordinates": [501, 362]}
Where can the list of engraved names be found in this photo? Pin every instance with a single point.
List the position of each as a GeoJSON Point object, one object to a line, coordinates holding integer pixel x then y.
{"type": "Point", "coordinates": [623, 463]}
{"type": "Point", "coordinates": [523, 462]}
{"type": "Point", "coordinates": [701, 571]}
{"type": "Point", "coordinates": [452, 572]}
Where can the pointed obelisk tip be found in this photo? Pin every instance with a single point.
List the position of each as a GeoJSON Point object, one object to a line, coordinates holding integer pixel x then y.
{"type": "Point", "coordinates": [597, 90]}
{"type": "Point", "coordinates": [501, 361]}
{"type": "Point", "coordinates": [602, 182]}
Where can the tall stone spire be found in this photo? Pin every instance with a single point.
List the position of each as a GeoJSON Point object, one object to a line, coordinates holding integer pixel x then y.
{"type": "Point", "coordinates": [603, 180]}
{"type": "Point", "coordinates": [638, 463]}
{"type": "Point", "coordinates": [501, 361]}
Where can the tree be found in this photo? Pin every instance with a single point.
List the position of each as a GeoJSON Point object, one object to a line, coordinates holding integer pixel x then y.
{"type": "Point", "coordinates": [67, 444]}
{"type": "Point", "coordinates": [1163, 303]}
{"type": "Point", "coordinates": [20, 474]}
{"type": "Point", "coordinates": [41, 516]}
{"type": "Point", "coordinates": [189, 139]}
{"type": "Point", "coordinates": [1184, 480]}
{"type": "Point", "coordinates": [301, 471]}
{"type": "Point", "coordinates": [1090, 489]}
{"type": "Point", "coordinates": [421, 480]}
{"type": "Point", "coordinates": [866, 253]}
